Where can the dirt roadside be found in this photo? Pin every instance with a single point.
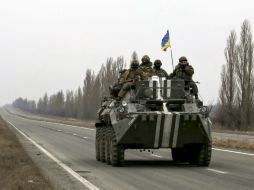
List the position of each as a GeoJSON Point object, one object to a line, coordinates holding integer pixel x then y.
{"type": "Point", "coordinates": [17, 169]}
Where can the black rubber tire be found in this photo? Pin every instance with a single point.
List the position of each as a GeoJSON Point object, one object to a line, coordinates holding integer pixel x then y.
{"type": "Point", "coordinates": [116, 151]}
{"type": "Point", "coordinates": [204, 156]}
{"type": "Point", "coordinates": [102, 144]}
{"type": "Point", "coordinates": [199, 154]}
{"type": "Point", "coordinates": [107, 146]}
{"type": "Point", "coordinates": [97, 144]}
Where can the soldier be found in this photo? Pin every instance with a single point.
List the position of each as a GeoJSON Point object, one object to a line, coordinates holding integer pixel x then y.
{"type": "Point", "coordinates": [129, 77]}
{"type": "Point", "coordinates": [115, 89]}
{"type": "Point", "coordinates": [121, 74]}
{"type": "Point", "coordinates": [146, 65]}
{"type": "Point", "coordinates": [185, 71]}
{"type": "Point", "coordinates": [158, 70]}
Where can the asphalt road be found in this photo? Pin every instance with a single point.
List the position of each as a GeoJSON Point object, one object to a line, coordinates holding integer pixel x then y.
{"type": "Point", "coordinates": [74, 146]}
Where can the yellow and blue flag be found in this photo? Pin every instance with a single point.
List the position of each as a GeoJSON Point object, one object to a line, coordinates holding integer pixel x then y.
{"type": "Point", "coordinates": [165, 42]}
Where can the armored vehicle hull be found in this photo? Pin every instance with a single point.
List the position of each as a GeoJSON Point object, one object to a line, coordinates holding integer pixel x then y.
{"type": "Point", "coordinates": [156, 114]}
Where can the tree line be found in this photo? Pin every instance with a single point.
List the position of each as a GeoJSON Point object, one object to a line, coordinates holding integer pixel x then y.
{"type": "Point", "coordinates": [83, 102]}
{"type": "Point", "coordinates": [236, 95]}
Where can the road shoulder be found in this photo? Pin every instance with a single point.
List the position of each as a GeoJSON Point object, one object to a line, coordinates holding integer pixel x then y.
{"type": "Point", "coordinates": [58, 177]}
{"type": "Point", "coordinates": [17, 169]}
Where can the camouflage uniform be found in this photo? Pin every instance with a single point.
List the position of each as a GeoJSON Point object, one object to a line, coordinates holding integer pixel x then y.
{"type": "Point", "coordinates": [146, 66]}
{"type": "Point", "coordinates": [115, 89]}
{"type": "Point", "coordinates": [185, 71]}
{"type": "Point", "coordinates": [158, 70]}
{"type": "Point", "coordinates": [129, 77]}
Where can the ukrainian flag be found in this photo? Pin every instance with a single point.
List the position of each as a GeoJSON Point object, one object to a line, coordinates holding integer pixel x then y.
{"type": "Point", "coordinates": [165, 42]}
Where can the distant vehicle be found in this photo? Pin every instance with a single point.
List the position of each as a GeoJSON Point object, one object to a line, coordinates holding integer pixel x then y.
{"type": "Point", "coordinates": [156, 113]}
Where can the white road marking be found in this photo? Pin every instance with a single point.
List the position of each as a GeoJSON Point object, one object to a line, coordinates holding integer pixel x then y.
{"type": "Point", "coordinates": [155, 155]}
{"type": "Point", "coordinates": [85, 182]}
{"type": "Point", "coordinates": [231, 151]}
{"type": "Point", "coordinates": [85, 137]}
{"type": "Point", "coordinates": [217, 171]}
{"type": "Point", "coordinates": [59, 130]}
{"type": "Point", "coordinates": [74, 134]}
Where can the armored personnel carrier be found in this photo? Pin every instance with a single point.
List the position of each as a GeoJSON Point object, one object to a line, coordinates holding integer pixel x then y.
{"type": "Point", "coordinates": [156, 113]}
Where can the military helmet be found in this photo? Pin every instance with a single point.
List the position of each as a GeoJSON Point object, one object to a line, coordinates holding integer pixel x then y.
{"type": "Point", "coordinates": [182, 59]}
{"type": "Point", "coordinates": [145, 59]}
{"type": "Point", "coordinates": [157, 63]}
{"type": "Point", "coordinates": [134, 64]}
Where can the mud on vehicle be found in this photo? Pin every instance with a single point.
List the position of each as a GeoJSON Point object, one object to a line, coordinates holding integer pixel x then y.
{"type": "Point", "coordinates": [156, 113]}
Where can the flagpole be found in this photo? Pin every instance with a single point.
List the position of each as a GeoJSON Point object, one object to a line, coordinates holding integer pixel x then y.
{"type": "Point", "coordinates": [172, 60]}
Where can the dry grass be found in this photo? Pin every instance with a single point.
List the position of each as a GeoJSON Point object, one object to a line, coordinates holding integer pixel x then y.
{"type": "Point", "coordinates": [223, 129]}
{"type": "Point", "coordinates": [17, 170]}
{"type": "Point", "coordinates": [237, 144]}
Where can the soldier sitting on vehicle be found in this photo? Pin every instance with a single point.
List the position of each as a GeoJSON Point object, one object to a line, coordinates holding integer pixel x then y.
{"type": "Point", "coordinates": [129, 77]}
{"type": "Point", "coordinates": [146, 65]}
{"type": "Point", "coordinates": [158, 70]}
{"type": "Point", "coordinates": [114, 90]}
{"type": "Point", "coordinates": [185, 71]}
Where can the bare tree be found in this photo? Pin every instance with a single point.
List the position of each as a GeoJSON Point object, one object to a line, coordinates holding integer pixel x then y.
{"type": "Point", "coordinates": [45, 103]}
{"type": "Point", "coordinates": [244, 72]}
{"type": "Point", "coordinates": [69, 104]}
{"type": "Point", "coordinates": [24, 104]}
{"type": "Point", "coordinates": [79, 103]}
{"type": "Point", "coordinates": [231, 58]}
{"type": "Point", "coordinates": [87, 94]}
{"type": "Point", "coordinates": [227, 91]}
{"type": "Point", "coordinates": [40, 106]}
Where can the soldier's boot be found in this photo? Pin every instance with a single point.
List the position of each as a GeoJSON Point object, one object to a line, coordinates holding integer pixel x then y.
{"type": "Point", "coordinates": [194, 89]}
{"type": "Point", "coordinates": [199, 102]}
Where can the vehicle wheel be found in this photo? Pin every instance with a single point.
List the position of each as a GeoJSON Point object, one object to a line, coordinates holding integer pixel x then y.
{"type": "Point", "coordinates": [107, 146]}
{"type": "Point", "coordinates": [205, 154]}
{"type": "Point", "coordinates": [116, 151]}
{"type": "Point", "coordinates": [97, 144]}
{"type": "Point", "coordinates": [102, 144]}
{"type": "Point", "coordinates": [178, 154]}
{"type": "Point", "coordinates": [200, 155]}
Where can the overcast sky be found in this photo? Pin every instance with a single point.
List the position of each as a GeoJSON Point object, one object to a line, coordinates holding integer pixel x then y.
{"type": "Point", "coordinates": [47, 45]}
